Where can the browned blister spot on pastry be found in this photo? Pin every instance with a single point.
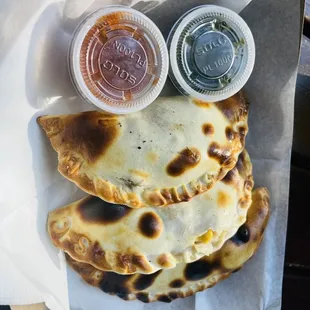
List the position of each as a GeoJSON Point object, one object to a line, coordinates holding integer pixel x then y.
{"type": "Point", "coordinates": [223, 199]}
{"type": "Point", "coordinates": [177, 283]}
{"type": "Point", "coordinates": [242, 133]}
{"type": "Point", "coordinates": [164, 298]}
{"type": "Point", "coordinates": [97, 255]}
{"type": "Point", "coordinates": [220, 154]}
{"type": "Point", "coordinates": [94, 209]}
{"type": "Point", "coordinates": [199, 269]}
{"type": "Point", "coordinates": [152, 157]}
{"type": "Point", "coordinates": [91, 134]}
{"type": "Point", "coordinates": [208, 129]}
{"type": "Point", "coordinates": [141, 263]}
{"type": "Point", "coordinates": [230, 134]}
{"type": "Point", "coordinates": [139, 173]}
{"type": "Point", "coordinates": [201, 103]}
{"type": "Point", "coordinates": [144, 297]}
{"type": "Point", "coordinates": [115, 283]}
{"type": "Point", "coordinates": [144, 281]}
{"type": "Point", "coordinates": [164, 260]}
{"type": "Point", "coordinates": [150, 225]}
{"type": "Point", "coordinates": [175, 295]}
{"type": "Point", "coordinates": [185, 160]}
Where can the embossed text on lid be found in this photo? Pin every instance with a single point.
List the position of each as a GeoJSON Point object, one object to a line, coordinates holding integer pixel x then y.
{"type": "Point", "coordinates": [118, 60]}
{"type": "Point", "coordinates": [123, 62]}
{"type": "Point", "coordinates": [213, 54]}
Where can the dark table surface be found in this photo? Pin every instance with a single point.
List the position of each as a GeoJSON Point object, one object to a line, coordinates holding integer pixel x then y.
{"type": "Point", "coordinates": [296, 280]}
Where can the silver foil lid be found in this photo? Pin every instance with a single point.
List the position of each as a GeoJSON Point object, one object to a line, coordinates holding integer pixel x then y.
{"type": "Point", "coordinates": [212, 53]}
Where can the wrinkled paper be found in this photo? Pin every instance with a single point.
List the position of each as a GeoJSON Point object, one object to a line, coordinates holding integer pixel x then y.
{"type": "Point", "coordinates": [34, 39]}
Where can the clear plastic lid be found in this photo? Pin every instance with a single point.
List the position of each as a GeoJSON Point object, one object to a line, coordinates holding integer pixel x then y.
{"type": "Point", "coordinates": [118, 60]}
{"type": "Point", "coordinates": [212, 53]}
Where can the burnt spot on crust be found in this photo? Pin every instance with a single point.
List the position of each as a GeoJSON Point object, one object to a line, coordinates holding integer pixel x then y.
{"type": "Point", "coordinates": [222, 155]}
{"type": "Point", "coordinates": [198, 270]}
{"type": "Point", "coordinates": [115, 283]}
{"type": "Point", "coordinates": [150, 225]}
{"type": "Point", "coordinates": [176, 283]}
{"type": "Point", "coordinates": [144, 297]}
{"type": "Point", "coordinates": [230, 134]}
{"type": "Point", "coordinates": [145, 280]}
{"type": "Point", "coordinates": [164, 298]}
{"type": "Point", "coordinates": [186, 159]}
{"type": "Point", "coordinates": [208, 129]}
{"type": "Point", "coordinates": [234, 108]}
{"type": "Point", "coordinates": [91, 133]}
{"type": "Point", "coordinates": [174, 295]}
{"type": "Point", "coordinates": [242, 235]}
{"type": "Point", "coordinates": [229, 177]}
{"type": "Point", "coordinates": [122, 296]}
{"type": "Point", "coordinates": [94, 209]}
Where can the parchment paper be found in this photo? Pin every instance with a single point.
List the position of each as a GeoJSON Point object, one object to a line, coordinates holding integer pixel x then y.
{"type": "Point", "coordinates": [34, 37]}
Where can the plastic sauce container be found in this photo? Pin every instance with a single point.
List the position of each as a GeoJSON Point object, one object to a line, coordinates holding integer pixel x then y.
{"type": "Point", "coordinates": [212, 53]}
{"type": "Point", "coordinates": [118, 60]}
